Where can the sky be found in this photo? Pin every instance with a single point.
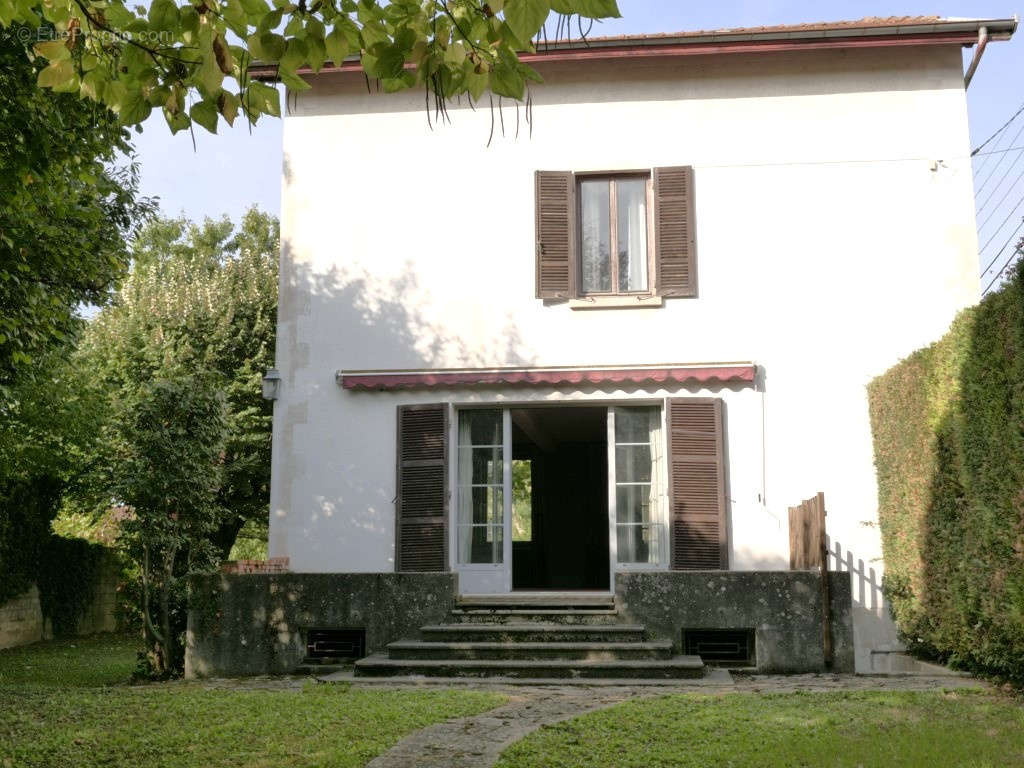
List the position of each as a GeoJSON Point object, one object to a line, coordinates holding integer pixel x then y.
{"type": "Point", "coordinates": [239, 167]}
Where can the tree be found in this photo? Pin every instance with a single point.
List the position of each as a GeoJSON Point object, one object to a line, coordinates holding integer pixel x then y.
{"type": "Point", "coordinates": [65, 209]}
{"type": "Point", "coordinates": [201, 298]}
{"type": "Point", "coordinates": [190, 59]}
{"type": "Point", "coordinates": [169, 448]}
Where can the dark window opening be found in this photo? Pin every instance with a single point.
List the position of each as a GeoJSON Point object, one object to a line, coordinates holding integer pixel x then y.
{"type": "Point", "coordinates": [335, 643]}
{"type": "Point", "coordinates": [721, 647]}
{"type": "Point", "coordinates": [560, 498]}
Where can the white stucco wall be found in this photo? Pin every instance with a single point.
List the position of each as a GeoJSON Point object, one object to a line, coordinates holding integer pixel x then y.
{"type": "Point", "coordinates": [835, 234]}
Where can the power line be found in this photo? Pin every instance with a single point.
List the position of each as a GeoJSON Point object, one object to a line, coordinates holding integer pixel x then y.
{"type": "Point", "coordinates": [1016, 252]}
{"type": "Point", "coordinates": [1006, 194]}
{"type": "Point", "coordinates": [995, 148]}
{"type": "Point", "coordinates": [999, 253]}
{"type": "Point", "coordinates": [996, 166]}
{"type": "Point", "coordinates": [999, 151]}
{"type": "Point", "coordinates": [1003, 128]}
{"type": "Point", "coordinates": [1000, 227]}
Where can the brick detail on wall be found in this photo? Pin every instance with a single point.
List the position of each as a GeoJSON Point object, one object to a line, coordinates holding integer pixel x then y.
{"type": "Point", "coordinates": [272, 565]}
{"type": "Point", "coordinates": [21, 620]}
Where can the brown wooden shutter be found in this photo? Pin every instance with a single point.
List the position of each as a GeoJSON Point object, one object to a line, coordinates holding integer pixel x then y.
{"type": "Point", "coordinates": [697, 484]}
{"type": "Point", "coordinates": [421, 509]}
{"type": "Point", "coordinates": [675, 233]}
{"type": "Point", "coordinates": [555, 219]}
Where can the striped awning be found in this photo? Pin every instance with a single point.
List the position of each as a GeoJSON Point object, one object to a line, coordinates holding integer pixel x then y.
{"type": "Point", "coordinates": [382, 381]}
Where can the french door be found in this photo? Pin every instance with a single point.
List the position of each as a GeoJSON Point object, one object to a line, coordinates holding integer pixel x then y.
{"type": "Point", "coordinates": [481, 524]}
{"type": "Point", "coordinates": [483, 505]}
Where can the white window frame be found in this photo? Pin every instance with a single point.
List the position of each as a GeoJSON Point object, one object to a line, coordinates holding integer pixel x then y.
{"type": "Point", "coordinates": [482, 577]}
{"type": "Point", "coordinates": [662, 513]}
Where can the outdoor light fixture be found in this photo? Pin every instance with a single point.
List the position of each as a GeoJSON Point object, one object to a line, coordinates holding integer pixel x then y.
{"type": "Point", "coordinates": [271, 384]}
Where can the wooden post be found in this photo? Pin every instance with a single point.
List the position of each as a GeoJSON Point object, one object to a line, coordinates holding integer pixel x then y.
{"type": "Point", "coordinates": [808, 549]}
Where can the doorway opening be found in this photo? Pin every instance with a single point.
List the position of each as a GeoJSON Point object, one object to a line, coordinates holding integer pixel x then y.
{"type": "Point", "coordinates": [560, 498]}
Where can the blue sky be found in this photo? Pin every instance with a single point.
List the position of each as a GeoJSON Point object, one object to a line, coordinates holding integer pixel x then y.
{"type": "Point", "coordinates": [235, 169]}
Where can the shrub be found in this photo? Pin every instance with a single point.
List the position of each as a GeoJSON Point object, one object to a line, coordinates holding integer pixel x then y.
{"type": "Point", "coordinates": [948, 426]}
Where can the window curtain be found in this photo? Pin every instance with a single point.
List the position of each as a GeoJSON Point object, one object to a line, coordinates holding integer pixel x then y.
{"type": "Point", "coordinates": [633, 235]}
{"type": "Point", "coordinates": [653, 516]}
{"type": "Point", "coordinates": [465, 492]}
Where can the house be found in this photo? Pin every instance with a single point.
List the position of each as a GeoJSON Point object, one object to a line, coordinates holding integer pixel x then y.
{"type": "Point", "coordinates": [588, 354]}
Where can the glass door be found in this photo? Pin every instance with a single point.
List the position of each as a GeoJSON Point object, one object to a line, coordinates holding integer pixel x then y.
{"type": "Point", "coordinates": [482, 507]}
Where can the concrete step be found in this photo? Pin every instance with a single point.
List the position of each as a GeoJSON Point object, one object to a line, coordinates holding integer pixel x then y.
{"type": "Point", "coordinates": [676, 667]}
{"type": "Point", "coordinates": [537, 600]}
{"type": "Point", "coordinates": [318, 669]}
{"type": "Point", "coordinates": [543, 615]}
{"type": "Point", "coordinates": [413, 649]}
{"type": "Point", "coordinates": [532, 632]}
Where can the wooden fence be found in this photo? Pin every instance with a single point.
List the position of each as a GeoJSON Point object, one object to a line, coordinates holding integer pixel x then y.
{"type": "Point", "coordinates": [808, 550]}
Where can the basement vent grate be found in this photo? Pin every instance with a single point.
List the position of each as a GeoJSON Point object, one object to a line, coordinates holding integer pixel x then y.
{"type": "Point", "coordinates": [721, 647]}
{"type": "Point", "coordinates": [336, 643]}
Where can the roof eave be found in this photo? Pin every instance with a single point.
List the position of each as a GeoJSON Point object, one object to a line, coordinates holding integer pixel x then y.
{"type": "Point", "coordinates": [952, 32]}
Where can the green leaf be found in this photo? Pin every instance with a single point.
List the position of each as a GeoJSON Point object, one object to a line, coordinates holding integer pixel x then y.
{"type": "Point", "coordinates": [317, 53]}
{"type": "Point", "coordinates": [205, 113]}
{"type": "Point", "coordinates": [597, 9]}
{"type": "Point", "coordinates": [390, 61]}
{"type": "Point", "coordinates": [264, 98]}
{"type": "Point", "coordinates": [295, 55]}
{"type": "Point", "coordinates": [337, 45]}
{"type": "Point", "coordinates": [526, 17]}
{"type": "Point", "coordinates": [209, 77]}
{"type": "Point", "coordinates": [293, 81]}
{"type": "Point", "coordinates": [272, 46]}
{"type": "Point", "coordinates": [228, 104]}
{"type": "Point", "coordinates": [54, 50]}
{"type": "Point", "coordinates": [163, 15]}
{"type": "Point", "coordinates": [57, 74]}
{"type": "Point", "coordinates": [506, 81]}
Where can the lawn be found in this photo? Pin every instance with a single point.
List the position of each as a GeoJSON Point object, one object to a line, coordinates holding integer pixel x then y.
{"type": "Point", "coordinates": [891, 729]}
{"type": "Point", "coordinates": [68, 704]}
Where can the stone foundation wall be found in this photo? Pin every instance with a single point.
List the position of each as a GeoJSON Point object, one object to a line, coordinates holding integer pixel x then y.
{"type": "Point", "coordinates": [782, 607]}
{"type": "Point", "coordinates": [254, 624]}
{"type": "Point", "coordinates": [21, 620]}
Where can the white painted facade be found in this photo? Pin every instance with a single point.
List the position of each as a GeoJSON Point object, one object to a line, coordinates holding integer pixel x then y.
{"type": "Point", "coordinates": [835, 234]}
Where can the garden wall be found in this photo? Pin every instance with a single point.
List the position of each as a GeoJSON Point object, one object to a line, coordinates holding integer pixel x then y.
{"type": "Point", "coordinates": [948, 427]}
{"type": "Point", "coordinates": [22, 621]}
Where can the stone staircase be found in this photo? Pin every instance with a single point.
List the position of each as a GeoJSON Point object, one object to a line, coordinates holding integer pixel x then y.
{"type": "Point", "coordinates": [537, 639]}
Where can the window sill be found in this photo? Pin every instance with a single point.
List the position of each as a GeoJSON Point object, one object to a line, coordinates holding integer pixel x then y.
{"type": "Point", "coordinates": [617, 302]}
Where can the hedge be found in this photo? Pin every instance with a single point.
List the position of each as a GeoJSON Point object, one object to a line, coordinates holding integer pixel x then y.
{"type": "Point", "coordinates": [948, 427]}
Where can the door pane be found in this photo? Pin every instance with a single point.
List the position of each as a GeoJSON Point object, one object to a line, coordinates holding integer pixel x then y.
{"type": "Point", "coordinates": [638, 543]}
{"type": "Point", "coordinates": [633, 425]}
{"type": "Point", "coordinates": [480, 427]}
{"type": "Point", "coordinates": [484, 465]}
{"type": "Point", "coordinates": [633, 503]}
{"type": "Point", "coordinates": [595, 250]}
{"type": "Point", "coordinates": [632, 463]}
{"type": "Point", "coordinates": [480, 544]}
{"type": "Point", "coordinates": [481, 505]}
{"type": "Point", "coordinates": [631, 202]}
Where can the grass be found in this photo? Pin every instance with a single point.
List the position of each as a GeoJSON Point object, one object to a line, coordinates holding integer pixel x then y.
{"type": "Point", "coordinates": [891, 729]}
{"type": "Point", "coordinates": [68, 704]}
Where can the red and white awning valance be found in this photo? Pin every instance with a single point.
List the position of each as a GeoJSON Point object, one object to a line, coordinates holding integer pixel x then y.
{"type": "Point", "coordinates": [635, 375]}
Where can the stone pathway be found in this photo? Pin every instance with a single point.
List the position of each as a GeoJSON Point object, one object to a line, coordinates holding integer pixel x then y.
{"type": "Point", "coordinates": [476, 742]}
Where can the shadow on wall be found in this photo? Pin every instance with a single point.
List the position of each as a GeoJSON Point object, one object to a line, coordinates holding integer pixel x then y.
{"type": "Point", "coordinates": [385, 317]}
{"type": "Point", "coordinates": [872, 614]}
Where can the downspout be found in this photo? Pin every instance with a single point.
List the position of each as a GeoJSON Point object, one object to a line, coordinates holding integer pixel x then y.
{"type": "Point", "coordinates": [979, 50]}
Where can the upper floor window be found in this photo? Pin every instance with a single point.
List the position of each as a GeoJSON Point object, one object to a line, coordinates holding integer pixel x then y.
{"type": "Point", "coordinates": [614, 227]}
{"type": "Point", "coordinates": [623, 236]}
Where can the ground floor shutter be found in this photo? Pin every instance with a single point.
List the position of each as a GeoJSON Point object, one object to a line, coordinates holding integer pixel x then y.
{"type": "Point", "coordinates": [421, 504]}
{"type": "Point", "coordinates": [697, 484]}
